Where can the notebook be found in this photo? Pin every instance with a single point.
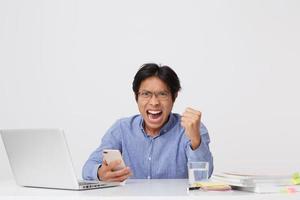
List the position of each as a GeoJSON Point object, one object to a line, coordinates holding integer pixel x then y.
{"type": "Point", "coordinates": [41, 158]}
{"type": "Point", "coordinates": [251, 180]}
{"type": "Point", "coordinates": [259, 183]}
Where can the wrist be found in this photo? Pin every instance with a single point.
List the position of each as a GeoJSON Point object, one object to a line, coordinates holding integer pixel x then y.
{"type": "Point", "coordinates": [195, 143]}
{"type": "Point", "coordinates": [99, 172]}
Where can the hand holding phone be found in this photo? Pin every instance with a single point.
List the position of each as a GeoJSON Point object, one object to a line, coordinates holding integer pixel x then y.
{"type": "Point", "coordinates": [111, 170]}
{"type": "Point", "coordinates": [110, 155]}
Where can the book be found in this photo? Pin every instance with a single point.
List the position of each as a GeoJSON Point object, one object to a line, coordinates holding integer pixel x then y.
{"type": "Point", "coordinates": [251, 180]}
{"type": "Point", "coordinates": [260, 183]}
{"type": "Point", "coordinates": [269, 188]}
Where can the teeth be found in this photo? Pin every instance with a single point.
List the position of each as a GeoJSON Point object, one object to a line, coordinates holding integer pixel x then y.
{"type": "Point", "coordinates": [153, 112]}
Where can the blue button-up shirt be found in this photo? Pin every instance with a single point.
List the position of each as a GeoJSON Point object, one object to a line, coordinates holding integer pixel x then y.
{"type": "Point", "coordinates": [163, 156]}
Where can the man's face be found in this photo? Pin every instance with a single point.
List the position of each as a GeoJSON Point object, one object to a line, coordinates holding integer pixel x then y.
{"type": "Point", "coordinates": [154, 103]}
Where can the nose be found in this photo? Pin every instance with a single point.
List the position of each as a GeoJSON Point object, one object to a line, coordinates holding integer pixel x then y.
{"type": "Point", "coordinates": [153, 100]}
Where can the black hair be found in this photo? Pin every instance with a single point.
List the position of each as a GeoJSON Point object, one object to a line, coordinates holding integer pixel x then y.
{"type": "Point", "coordinates": [164, 73]}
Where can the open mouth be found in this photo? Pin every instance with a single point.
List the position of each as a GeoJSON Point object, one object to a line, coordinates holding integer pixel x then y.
{"type": "Point", "coordinates": [154, 115]}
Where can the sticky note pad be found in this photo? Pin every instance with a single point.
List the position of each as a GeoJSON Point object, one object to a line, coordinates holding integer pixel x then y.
{"type": "Point", "coordinates": [296, 178]}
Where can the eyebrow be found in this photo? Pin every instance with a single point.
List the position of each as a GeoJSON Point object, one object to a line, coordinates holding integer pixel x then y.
{"type": "Point", "coordinates": [154, 91]}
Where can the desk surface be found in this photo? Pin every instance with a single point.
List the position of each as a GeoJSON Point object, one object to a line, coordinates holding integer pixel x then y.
{"type": "Point", "coordinates": [133, 189]}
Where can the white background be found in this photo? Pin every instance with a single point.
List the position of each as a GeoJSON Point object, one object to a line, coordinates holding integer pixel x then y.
{"type": "Point", "coordinates": [70, 64]}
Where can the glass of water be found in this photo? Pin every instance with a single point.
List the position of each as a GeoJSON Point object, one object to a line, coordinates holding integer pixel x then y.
{"type": "Point", "coordinates": [197, 171]}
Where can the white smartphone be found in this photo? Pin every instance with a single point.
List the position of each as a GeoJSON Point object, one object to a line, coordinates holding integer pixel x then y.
{"type": "Point", "coordinates": [113, 154]}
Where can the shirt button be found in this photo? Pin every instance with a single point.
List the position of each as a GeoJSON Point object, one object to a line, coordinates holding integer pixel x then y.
{"type": "Point", "coordinates": [148, 177]}
{"type": "Point", "coordinates": [149, 158]}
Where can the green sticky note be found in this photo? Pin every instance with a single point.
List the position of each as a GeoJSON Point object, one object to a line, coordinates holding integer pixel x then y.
{"type": "Point", "coordinates": [296, 178]}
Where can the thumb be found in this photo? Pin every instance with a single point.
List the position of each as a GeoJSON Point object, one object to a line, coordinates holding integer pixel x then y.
{"type": "Point", "coordinates": [104, 162]}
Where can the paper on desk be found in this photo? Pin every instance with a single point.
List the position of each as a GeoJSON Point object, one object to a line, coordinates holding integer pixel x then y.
{"type": "Point", "coordinates": [212, 186]}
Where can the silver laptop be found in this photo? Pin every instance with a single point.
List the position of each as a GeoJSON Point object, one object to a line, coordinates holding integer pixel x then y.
{"type": "Point", "coordinates": [41, 158]}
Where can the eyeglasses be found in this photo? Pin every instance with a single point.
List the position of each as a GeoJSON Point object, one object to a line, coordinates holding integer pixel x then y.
{"type": "Point", "coordinates": [147, 95]}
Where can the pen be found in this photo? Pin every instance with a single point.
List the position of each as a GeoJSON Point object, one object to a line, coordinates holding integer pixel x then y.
{"type": "Point", "coordinates": [194, 188]}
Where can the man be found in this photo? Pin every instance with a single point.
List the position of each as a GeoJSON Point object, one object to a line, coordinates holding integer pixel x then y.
{"type": "Point", "coordinates": [156, 143]}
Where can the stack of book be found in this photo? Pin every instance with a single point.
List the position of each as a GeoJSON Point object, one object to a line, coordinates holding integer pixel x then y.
{"type": "Point", "coordinates": [259, 183]}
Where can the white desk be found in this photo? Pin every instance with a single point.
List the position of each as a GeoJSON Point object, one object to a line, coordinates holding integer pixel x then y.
{"type": "Point", "coordinates": [134, 189]}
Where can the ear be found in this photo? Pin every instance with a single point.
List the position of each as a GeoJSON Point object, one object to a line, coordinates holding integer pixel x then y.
{"type": "Point", "coordinates": [135, 96]}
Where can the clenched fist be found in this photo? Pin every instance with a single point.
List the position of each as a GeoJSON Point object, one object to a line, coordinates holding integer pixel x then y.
{"type": "Point", "coordinates": [191, 120]}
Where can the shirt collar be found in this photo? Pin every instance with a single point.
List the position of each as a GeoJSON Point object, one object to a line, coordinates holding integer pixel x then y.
{"type": "Point", "coordinates": [170, 123]}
